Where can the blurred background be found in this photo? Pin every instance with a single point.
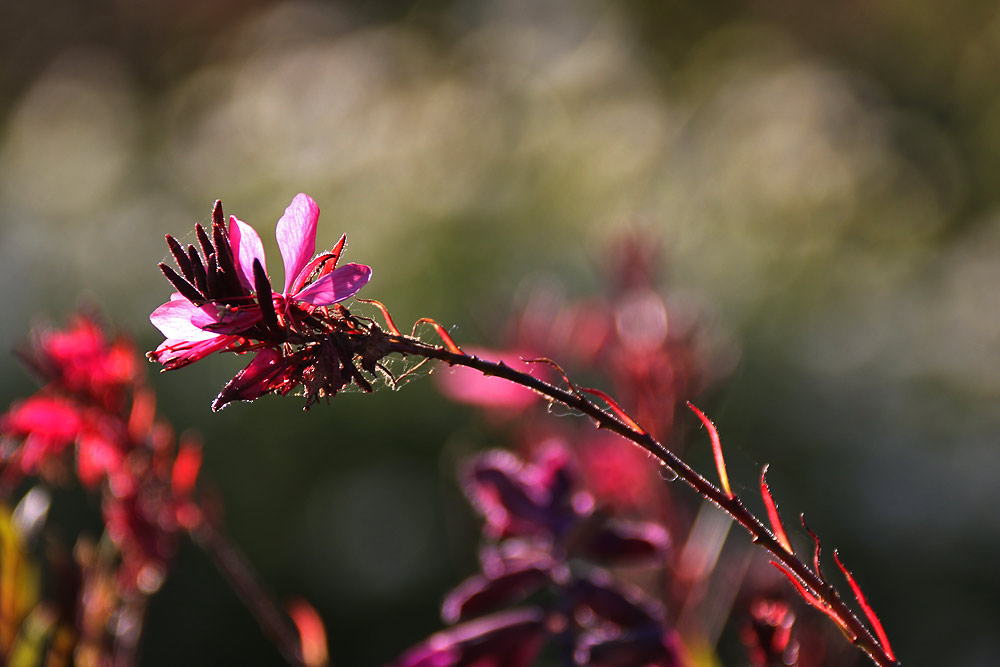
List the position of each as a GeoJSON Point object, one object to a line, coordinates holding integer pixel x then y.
{"type": "Point", "coordinates": [820, 177]}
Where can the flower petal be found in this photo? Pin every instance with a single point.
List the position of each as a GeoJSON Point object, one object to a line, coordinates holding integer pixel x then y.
{"type": "Point", "coordinates": [341, 283]}
{"type": "Point", "coordinates": [176, 319]}
{"type": "Point", "coordinates": [53, 418]}
{"type": "Point", "coordinates": [246, 245]}
{"type": "Point", "coordinates": [47, 425]}
{"type": "Point", "coordinates": [225, 321]}
{"type": "Point", "coordinates": [253, 381]}
{"type": "Point", "coordinates": [296, 233]}
{"type": "Point", "coordinates": [177, 352]}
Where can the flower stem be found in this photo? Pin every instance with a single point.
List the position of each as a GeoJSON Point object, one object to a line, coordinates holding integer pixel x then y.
{"type": "Point", "coordinates": [856, 631]}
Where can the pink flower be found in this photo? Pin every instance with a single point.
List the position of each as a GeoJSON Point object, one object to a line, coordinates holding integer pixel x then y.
{"type": "Point", "coordinates": [227, 299]}
{"type": "Point", "coordinates": [296, 234]}
{"type": "Point", "coordinates": [181, 322]}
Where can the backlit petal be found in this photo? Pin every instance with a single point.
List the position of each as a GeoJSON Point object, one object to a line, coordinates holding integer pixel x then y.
{"type": "Point", "coordinates": [178, 352]}
{"type": "Point", "coordinates": [341, 283]}
{"type": "Point", "coordinates": [175, 319]}
{"type": "Point", "coordinates": [296, 233]}
{"type": "Point", "coordinates": [253, 381]}
{"type": "Point", "coordinates": [246, 247]}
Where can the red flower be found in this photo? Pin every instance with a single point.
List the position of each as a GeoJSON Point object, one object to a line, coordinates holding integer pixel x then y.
{"type": "Point", "coordinates": [81, 360]}
{"type": "Point", "coordinates": [47, 426]}
{"type": "Point", "coordinates": [94, 401]}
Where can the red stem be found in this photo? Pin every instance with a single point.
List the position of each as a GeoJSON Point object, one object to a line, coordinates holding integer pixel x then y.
{"type": "Point", "coordinates": [732, 505]}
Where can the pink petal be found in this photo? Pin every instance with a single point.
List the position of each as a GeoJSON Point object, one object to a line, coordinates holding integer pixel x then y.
{"type": "Point", "coordinates": [177, 319]}
{"type": "Point", "coordinates": [246, 247]}
{"type": "Point", "coordinates": [227, 321]}
{"type": "Point", "coordinates": [253, 381]}
{"type": "Point", "coordinates": [47, 425]}
{"type": "Point", "coordinates": [296, 233]}
{"type": "Point", "coordinates": [177, 352]}
{"type": "Point", "coordinates": [341, 283]}
{"type": "Point", "coordinates": [624, 477]}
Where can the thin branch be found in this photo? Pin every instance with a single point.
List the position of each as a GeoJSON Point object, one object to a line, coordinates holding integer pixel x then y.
{"type": "Point", "coordinates": [812, 584]}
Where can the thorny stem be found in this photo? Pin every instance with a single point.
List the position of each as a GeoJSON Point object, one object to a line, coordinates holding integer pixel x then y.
{"type": "Point", "coordinates": [855, 630]}
{"type": "Point", "coordinates": [234, 567]}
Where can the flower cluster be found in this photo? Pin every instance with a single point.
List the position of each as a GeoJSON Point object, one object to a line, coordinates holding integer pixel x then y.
{"type": "Point", "coordinates": [94, 403]}
{"type": "Point", "coordinates": [225, 302]}
{"type": "Point", "coordinates": [548, 542]}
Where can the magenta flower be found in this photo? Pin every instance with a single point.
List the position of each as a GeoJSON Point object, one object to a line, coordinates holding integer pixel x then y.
{"type": "Point", "coordinates": [187, 341]}
{"type": "Point", "coordinates": [224, 302]}
{"type": "Point", "coordinates": [296, 234]}
{"type": "Point", "coordinates": [228, 297]}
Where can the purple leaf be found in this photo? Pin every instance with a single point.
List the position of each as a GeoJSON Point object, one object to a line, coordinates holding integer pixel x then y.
{"type": "Point", "coordinates": [601, 595]}
{"type": "Point", "coordinates": [625, 542]}
{"type": "Point", "coordinates": [510, 639]}
{"type": "Point", "coordinates": [481, 593]}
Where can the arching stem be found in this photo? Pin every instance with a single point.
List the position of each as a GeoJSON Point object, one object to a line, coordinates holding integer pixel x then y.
{"type": "Point", "coordinates": [731, 504]}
